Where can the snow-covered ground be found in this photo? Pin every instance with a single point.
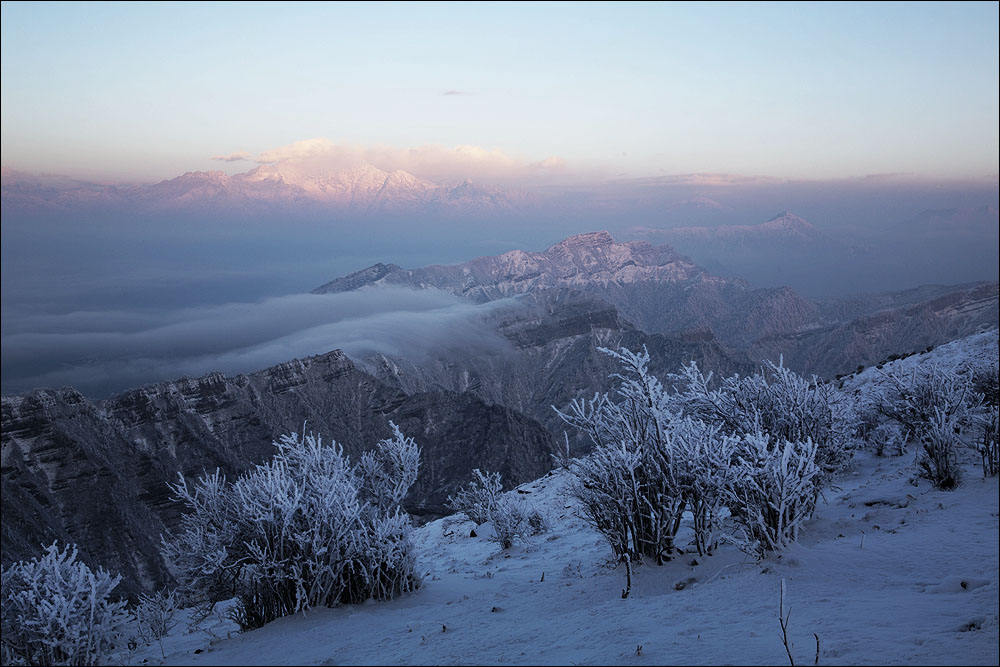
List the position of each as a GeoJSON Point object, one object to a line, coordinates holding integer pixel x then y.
{"type": "Point", "coordinates": [890, 571]}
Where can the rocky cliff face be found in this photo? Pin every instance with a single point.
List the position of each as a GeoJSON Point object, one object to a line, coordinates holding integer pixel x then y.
{"type": "Point", "coordinates": [95, 473]}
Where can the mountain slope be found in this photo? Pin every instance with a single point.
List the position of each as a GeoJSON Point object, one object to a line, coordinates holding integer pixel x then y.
{"type": "Point", "coordinates": [95, 473]}
{"type": "Point", "coordinates": [889, 571]}
{"type": "Point", "coordinates": [554, 356]}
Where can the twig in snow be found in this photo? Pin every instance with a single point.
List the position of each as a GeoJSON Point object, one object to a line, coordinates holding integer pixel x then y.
{"type": "Point", "coordinates": [783, 621]}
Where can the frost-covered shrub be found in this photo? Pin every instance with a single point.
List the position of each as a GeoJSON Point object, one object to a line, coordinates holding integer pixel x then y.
{"type": "Point", "coordinates": [306, 529]}
{"type": "Point", "coordinates": [607, 488]}
{"type": "Point", "coordinates": [155, 615]}
{"type": "Point", "coordinates": [704, 459]}
{"type": "Point", "coordinates": [629, 486]}
{"type": "Point", "coordinates": [777, 402]}
{"type": "Point", "coordinates": [57, 611]}
{"type": "Point", "coordinates": [760, 445]}
{"type": "Point", "coordinates": [986, 381]}
{"type": "Point", "coordinates": [479, 499]}
{"type": "Point", "coordinates": [988, 441]}
{"type": "Point", "coordinates": [483, 501]}
{"type": "Point", "coordinates": [887, 440]}
{"type": "Point", "coordinates": [939, 408]}
{"type": "Point", "coordinates": [938, 458]}
{"type": "Point", "coordinates": [913, 399]}
{"type": "Point", "coordinates": [775, 491]}
{"type": "Point", "coordinates": [510, 520]}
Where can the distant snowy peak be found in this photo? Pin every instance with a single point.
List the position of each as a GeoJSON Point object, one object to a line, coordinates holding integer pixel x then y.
{"type": "Point", "coordinates": [789, 222]}
{"type": "Point", "coordinates": [786, 227]}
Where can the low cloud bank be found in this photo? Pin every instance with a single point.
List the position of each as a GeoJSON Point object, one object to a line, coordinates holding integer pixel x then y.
{"type": "Point", "coordinates": [101, 353]}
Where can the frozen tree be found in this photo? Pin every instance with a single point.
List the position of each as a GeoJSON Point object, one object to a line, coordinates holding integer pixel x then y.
{"type": "Point", "coordinates": [306, 529]}
{"type": "Point", "coordinates": [775, 491]}
{"type": "Point", "coordinates": [510, 520]}
{"type": "Point", "coordinates": [479, 499]}
{"type": "Point", "coordinates": [629, 486]}
{"type": "Point", "coordinates": [483, 501]}
{"type": "Point", "coordinates": [155, 616]}
{"type": "Point", "coordinates": [940, 409]}
{"type": "Point", "coordinates": [57, 611]}
{"type": "Point", "coordinates": [777, 402]}
{"type": "Point", "coordinates": [705, 473]}
{"type": "Point", "coordinates": [988, 441]}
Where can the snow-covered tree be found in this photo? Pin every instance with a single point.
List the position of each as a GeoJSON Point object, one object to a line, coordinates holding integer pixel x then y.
{"type": "Point", "coordinates": [57, 611]}
{"type": "Point", "coordinates": [483, 500]}
{"type": "Point", "coordinates": [479, 498]}
{"type": "Point", "coordinates": [988, 441]}
{"type": "Point", "coordinates": [752, 444]}
{"type": "Point", "coordinates": [775, 491]}
{"type": "Point", "coordinates": [775, 401]}
{"type": "Point", "coordinates": [630, 486]}
{"type": "Point", "coordinates": [156, 615]}
{"type": "Point", "coordinates": [938, 408]}
{"type": "Point", "coordinates": [306, 529]}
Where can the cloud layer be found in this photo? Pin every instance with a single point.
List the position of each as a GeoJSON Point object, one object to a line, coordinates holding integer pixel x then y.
{"type": "Point", "coordinates": [104, 352]}
{"type": "Point", "coordinates": [435, 163]}
{"type": "Point", "coordinates": [238, 156]}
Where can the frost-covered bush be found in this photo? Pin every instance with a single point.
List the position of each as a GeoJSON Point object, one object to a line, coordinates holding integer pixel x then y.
{"type": "Point", "coordinates": [306, 529]}
{"type": "Point", "coordinates": [940, 443]}
{"type": "Point", "coordinates": [887, 440]}
{"type": "Point", "coordinates": [510, 520]}
{"type": "Point", "coordinates": [155, 616]}
{"type": "Point", "coordinates": [775, 491]}
{"type": "Point", "coordinates": [705, 472]}
{"type": "Point", "coordinates": [938, 408]}
{"type": "Point", "coordinates": [988, 442]}
{"type": "Point", "coordinates": [479, 499]}
{"type": "Point", "coordinates": [775, 401]}
{"type": "Point", "coordinates": [57, 611]}
{"type": "Point", "coordinates": [608, 489]}
{"type": "Point", "coordinates": [913, 399]}
{"type": "Point", "coordinates": [483, 501]}
{"type": "Point", "coordinates": [630, 486]}
{"type": "Point", "coordinates": [986, 381]}
{"type": "Point", "coordinates": [760, 445]}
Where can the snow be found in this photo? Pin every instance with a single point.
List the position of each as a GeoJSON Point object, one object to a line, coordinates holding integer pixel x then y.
{"type": "Point", "coordinates": [889, 571]}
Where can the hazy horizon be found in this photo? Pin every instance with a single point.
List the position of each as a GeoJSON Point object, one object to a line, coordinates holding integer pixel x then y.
{"type": "Point", "coordinates": [351, 134]}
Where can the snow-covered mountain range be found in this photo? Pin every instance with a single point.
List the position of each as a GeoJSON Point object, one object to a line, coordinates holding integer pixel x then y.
{"type": "Point", "coordinates": [357, 188]}
{"type": "Point", "coordinates": [659, 290]}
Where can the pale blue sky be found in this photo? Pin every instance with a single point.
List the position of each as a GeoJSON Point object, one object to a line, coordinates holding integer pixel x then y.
{"type": "Point", "coordinates": [146, 91]}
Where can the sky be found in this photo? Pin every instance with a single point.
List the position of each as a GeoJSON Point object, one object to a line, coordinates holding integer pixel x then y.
{"type": "Point", "coordinates": [143, 92]}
